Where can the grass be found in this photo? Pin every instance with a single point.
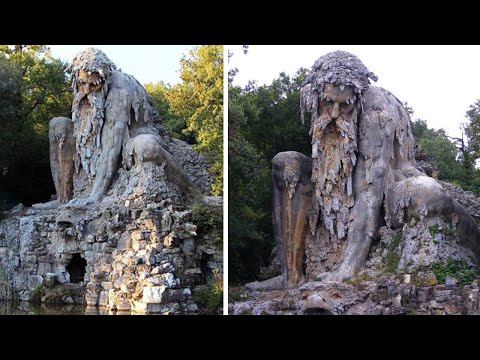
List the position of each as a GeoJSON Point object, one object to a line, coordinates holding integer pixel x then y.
{"type": "Point", "coordinates": [38, 292]}
{"type": "Point", "coordinates": [459, 270]}
{"type": "Point", "coordinates": [392, 262]}
{"type": "Point", "coordinates": [210, 296]}
{"type": "Point", "coordinates": [393, 257]}
{"type": "Point", "coordinates": [238, 293]}
{"type": "Point", "coordinates": [433, 230]}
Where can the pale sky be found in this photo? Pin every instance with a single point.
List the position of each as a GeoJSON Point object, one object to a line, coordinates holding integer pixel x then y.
{"type": "Point", "coordinates": [147, 63]}
{"type": "Point", "coordinates": [440, 82]}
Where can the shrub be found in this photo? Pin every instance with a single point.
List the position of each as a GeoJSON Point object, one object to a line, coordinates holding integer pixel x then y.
{"type": "Point", "coordinates": [459, 270]}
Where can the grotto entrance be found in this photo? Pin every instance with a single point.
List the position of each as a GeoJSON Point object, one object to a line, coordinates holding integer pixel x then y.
{"type": "Point", "coordinates": [76, 269]}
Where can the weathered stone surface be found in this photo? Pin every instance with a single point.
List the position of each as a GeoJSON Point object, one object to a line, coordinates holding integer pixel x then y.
{"type": "Point", "coordinates": [153, 295]}
{"type": "Point", "coordinates": [384, 296]}
{"type": "Point", "coordinates": [124, 243]}
{"type": "Point", "coordinates": [362, 183]}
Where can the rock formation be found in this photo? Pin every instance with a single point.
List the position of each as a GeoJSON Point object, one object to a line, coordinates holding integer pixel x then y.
{"type": "Point", "coordinates": [128, 196]}
{"type": "Point", "coordinates": [363, 177]}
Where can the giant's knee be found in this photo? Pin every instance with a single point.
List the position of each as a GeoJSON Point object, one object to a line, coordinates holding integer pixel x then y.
{"type": "Point", "coordinates": [144, 148]}
{"type": "Point", "coordinates": [417, 197]}
{"type": "Point", "coordinates": [60, 123]}
{"type": "Point", "coordinates": [60, 131]}
{"type": "Point", "coordinates": [290, 162]}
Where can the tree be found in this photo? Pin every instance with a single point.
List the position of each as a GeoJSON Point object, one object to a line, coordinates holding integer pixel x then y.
{"type": "Point", "coordinates": [10, 127]}
{"type": "Point", "coordinates": [43, 92]}
{"type": "Point", "coordinates": [442, 153]}
{"type": "Point", "coordinates": [199, 100]}
{"type": "Point", "coordinates": [472, 129]}
{"type": "Point", "coordinates": [262, 121]}
{"type": "Point", "coordinates": [159, 95]}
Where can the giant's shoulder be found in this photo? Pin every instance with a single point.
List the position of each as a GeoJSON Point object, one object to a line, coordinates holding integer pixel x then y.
{"type": "Point", "coordinates": [121, 80]}
{"type": "Point", "coordinates": [376, 97]}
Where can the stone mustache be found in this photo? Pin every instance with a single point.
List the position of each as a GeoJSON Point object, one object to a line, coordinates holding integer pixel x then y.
{"type": "Point", "coordinates": [112, 121]}
{"type": "Point", "coordinates": [362, 175]}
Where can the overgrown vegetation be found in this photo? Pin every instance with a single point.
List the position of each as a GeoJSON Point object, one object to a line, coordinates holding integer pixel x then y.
{"type": "Point", "coordinates": [208, 220]}
{"type": "Point", "coordinates": [358, 280]}
{"type": "Point", "coordinates": [459, 270]}
{"type": "Point", "coordinates": [433, 230]}
{"type": "Point", "coordinates": [455, 158]}
{"type": "Point", "coordinates": [265, 120]}
{"type": "Point", "coordinates": [38, 292]}
{"type": "Point", "coordinates": [238, 293]}
{"type": "Point", "coordinates": [34, 88]}
{"type": "Point", "coordinates": [4, 284]}
{"type": "Point", "coordinates": [210, 296]}
{"type": "Point", "coordinates": [262, 121]}
{"type": "Point", "coordinates": [392, 262]}
{"type": "Point", "coordinates": [193, 109]}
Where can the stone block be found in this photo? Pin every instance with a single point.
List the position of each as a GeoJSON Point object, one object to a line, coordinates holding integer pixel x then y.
{"type": "Point", "coordinates": [103, 298]}
{"type": "Point", "coordinates": [188, 246]}
{"type": "Point", "coordinates": [153, 294]}
{"type": "Point", "coordinates": [150, 224]}
{"type": "Point", "coordinates": [44, 268]}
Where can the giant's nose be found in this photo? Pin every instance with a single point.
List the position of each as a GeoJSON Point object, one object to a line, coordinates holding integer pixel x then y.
{"type": "Point", "coordinates": [86, 89]}
{"type": "Point", "coordinates": [335, 110]}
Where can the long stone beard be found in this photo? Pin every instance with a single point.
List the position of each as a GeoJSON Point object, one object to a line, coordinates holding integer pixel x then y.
{"type": "Point", "coordinates": [88, 116]}
{"type": "Point", "coordinates": [334, 146]}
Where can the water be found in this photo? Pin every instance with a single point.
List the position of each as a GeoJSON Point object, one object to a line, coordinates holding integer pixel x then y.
{"type": "Point", "coordinates": [26, 308]}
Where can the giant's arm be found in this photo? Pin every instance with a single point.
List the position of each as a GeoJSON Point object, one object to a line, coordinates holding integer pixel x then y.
{"type": "Point", "coordinates": [116, 119]}
{"type": "Point", "coordinates": [376, 147]}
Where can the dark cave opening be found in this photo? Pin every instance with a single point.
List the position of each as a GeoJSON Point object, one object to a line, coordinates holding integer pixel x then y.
{"type": "Point", "coordinates": [76, 269]}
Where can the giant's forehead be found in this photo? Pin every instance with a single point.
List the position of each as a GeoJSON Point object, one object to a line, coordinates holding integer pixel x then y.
{"type": "Point", "coordinates": [88, 75]}
{"type": "Point", "coordinates": [344, 91]}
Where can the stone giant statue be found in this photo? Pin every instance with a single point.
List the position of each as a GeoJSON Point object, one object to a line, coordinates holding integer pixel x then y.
{"type": "Point", "coordinates": [112, 121]}
{"type": "Point", "coordinates": [362, 175]}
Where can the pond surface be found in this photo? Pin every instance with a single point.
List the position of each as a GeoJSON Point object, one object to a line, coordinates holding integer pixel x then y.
{"type": "Point", "coordinates": [26, 308]}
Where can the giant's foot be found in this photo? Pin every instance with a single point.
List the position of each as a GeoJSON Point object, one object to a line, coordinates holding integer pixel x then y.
{"type": "Point", "coordinates": [333, 276]}
{"type": "Point", "coordinates": [47, 206]}
{"type": "Point", "coordinates": [276, 283]}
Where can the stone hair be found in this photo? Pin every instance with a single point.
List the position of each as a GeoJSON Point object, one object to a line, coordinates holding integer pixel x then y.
{"type": "Point", "coordinates": [339, 68]}
{"type": "Point", "coordinates": [91, 60]}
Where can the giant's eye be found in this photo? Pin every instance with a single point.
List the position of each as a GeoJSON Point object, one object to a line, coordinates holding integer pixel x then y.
{"type": "Point", "coordinates": [346, 108]}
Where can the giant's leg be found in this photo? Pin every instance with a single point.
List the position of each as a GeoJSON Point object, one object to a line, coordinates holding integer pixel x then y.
{"type": "Point", "coordinates": [422, 196]}
{"type": "Point", "coordinates": [62, 152]}
{"type": "Point", "coordinates": [292, 193]}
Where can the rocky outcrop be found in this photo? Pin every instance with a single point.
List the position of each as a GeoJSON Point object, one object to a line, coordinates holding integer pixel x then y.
{"type": "Point", "coordinates": [389, 295]}
{"type": "Point", "coordinates": [140, 247]}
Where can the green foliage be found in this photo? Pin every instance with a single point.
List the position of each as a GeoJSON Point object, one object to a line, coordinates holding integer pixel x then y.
{"type": "Point", "coordinates": [263, 121]}
{"type": "Point", "coordinates": [358, 280]}
{"type": "Point", "coordinates": [208, 221]}
{"type": "Point", "coordinates": [442, 153]}
{"type": "Point", "coordinates": [38, 292]}
{"type": "Point", "coordinates": [4, 283]}
{"type": "Point", "coordinates": [459, 270]}
{"type": "Point", "coordinates": [238, 293]}
{"type": "Point", "coordinates": [272, 116]}
{"type": "Point", "coordinates": [472, 129]}
{"type": "Point", "coordinates": [453, 157]}
{"type": "Point", "coordinates": [393, 260]}
{"type": "Point", "coordinates": [158, 94]}
{"type": "Point", "coordinates": [396, 242]}
{"type": "Point", "coordinates": [433, 230]}
{"type": "Point", "coordinates": [199, 100]}
{"type": "Point", "coordinates": [37, 89]}
{"type": "Point", "coordinates": [210, 296]}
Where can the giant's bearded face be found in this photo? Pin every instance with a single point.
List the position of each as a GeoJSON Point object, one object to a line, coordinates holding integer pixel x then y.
{"type": "Point", "coordinates": [88, 115]}
{"type": "Point", "coordinates": [334, 143]}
